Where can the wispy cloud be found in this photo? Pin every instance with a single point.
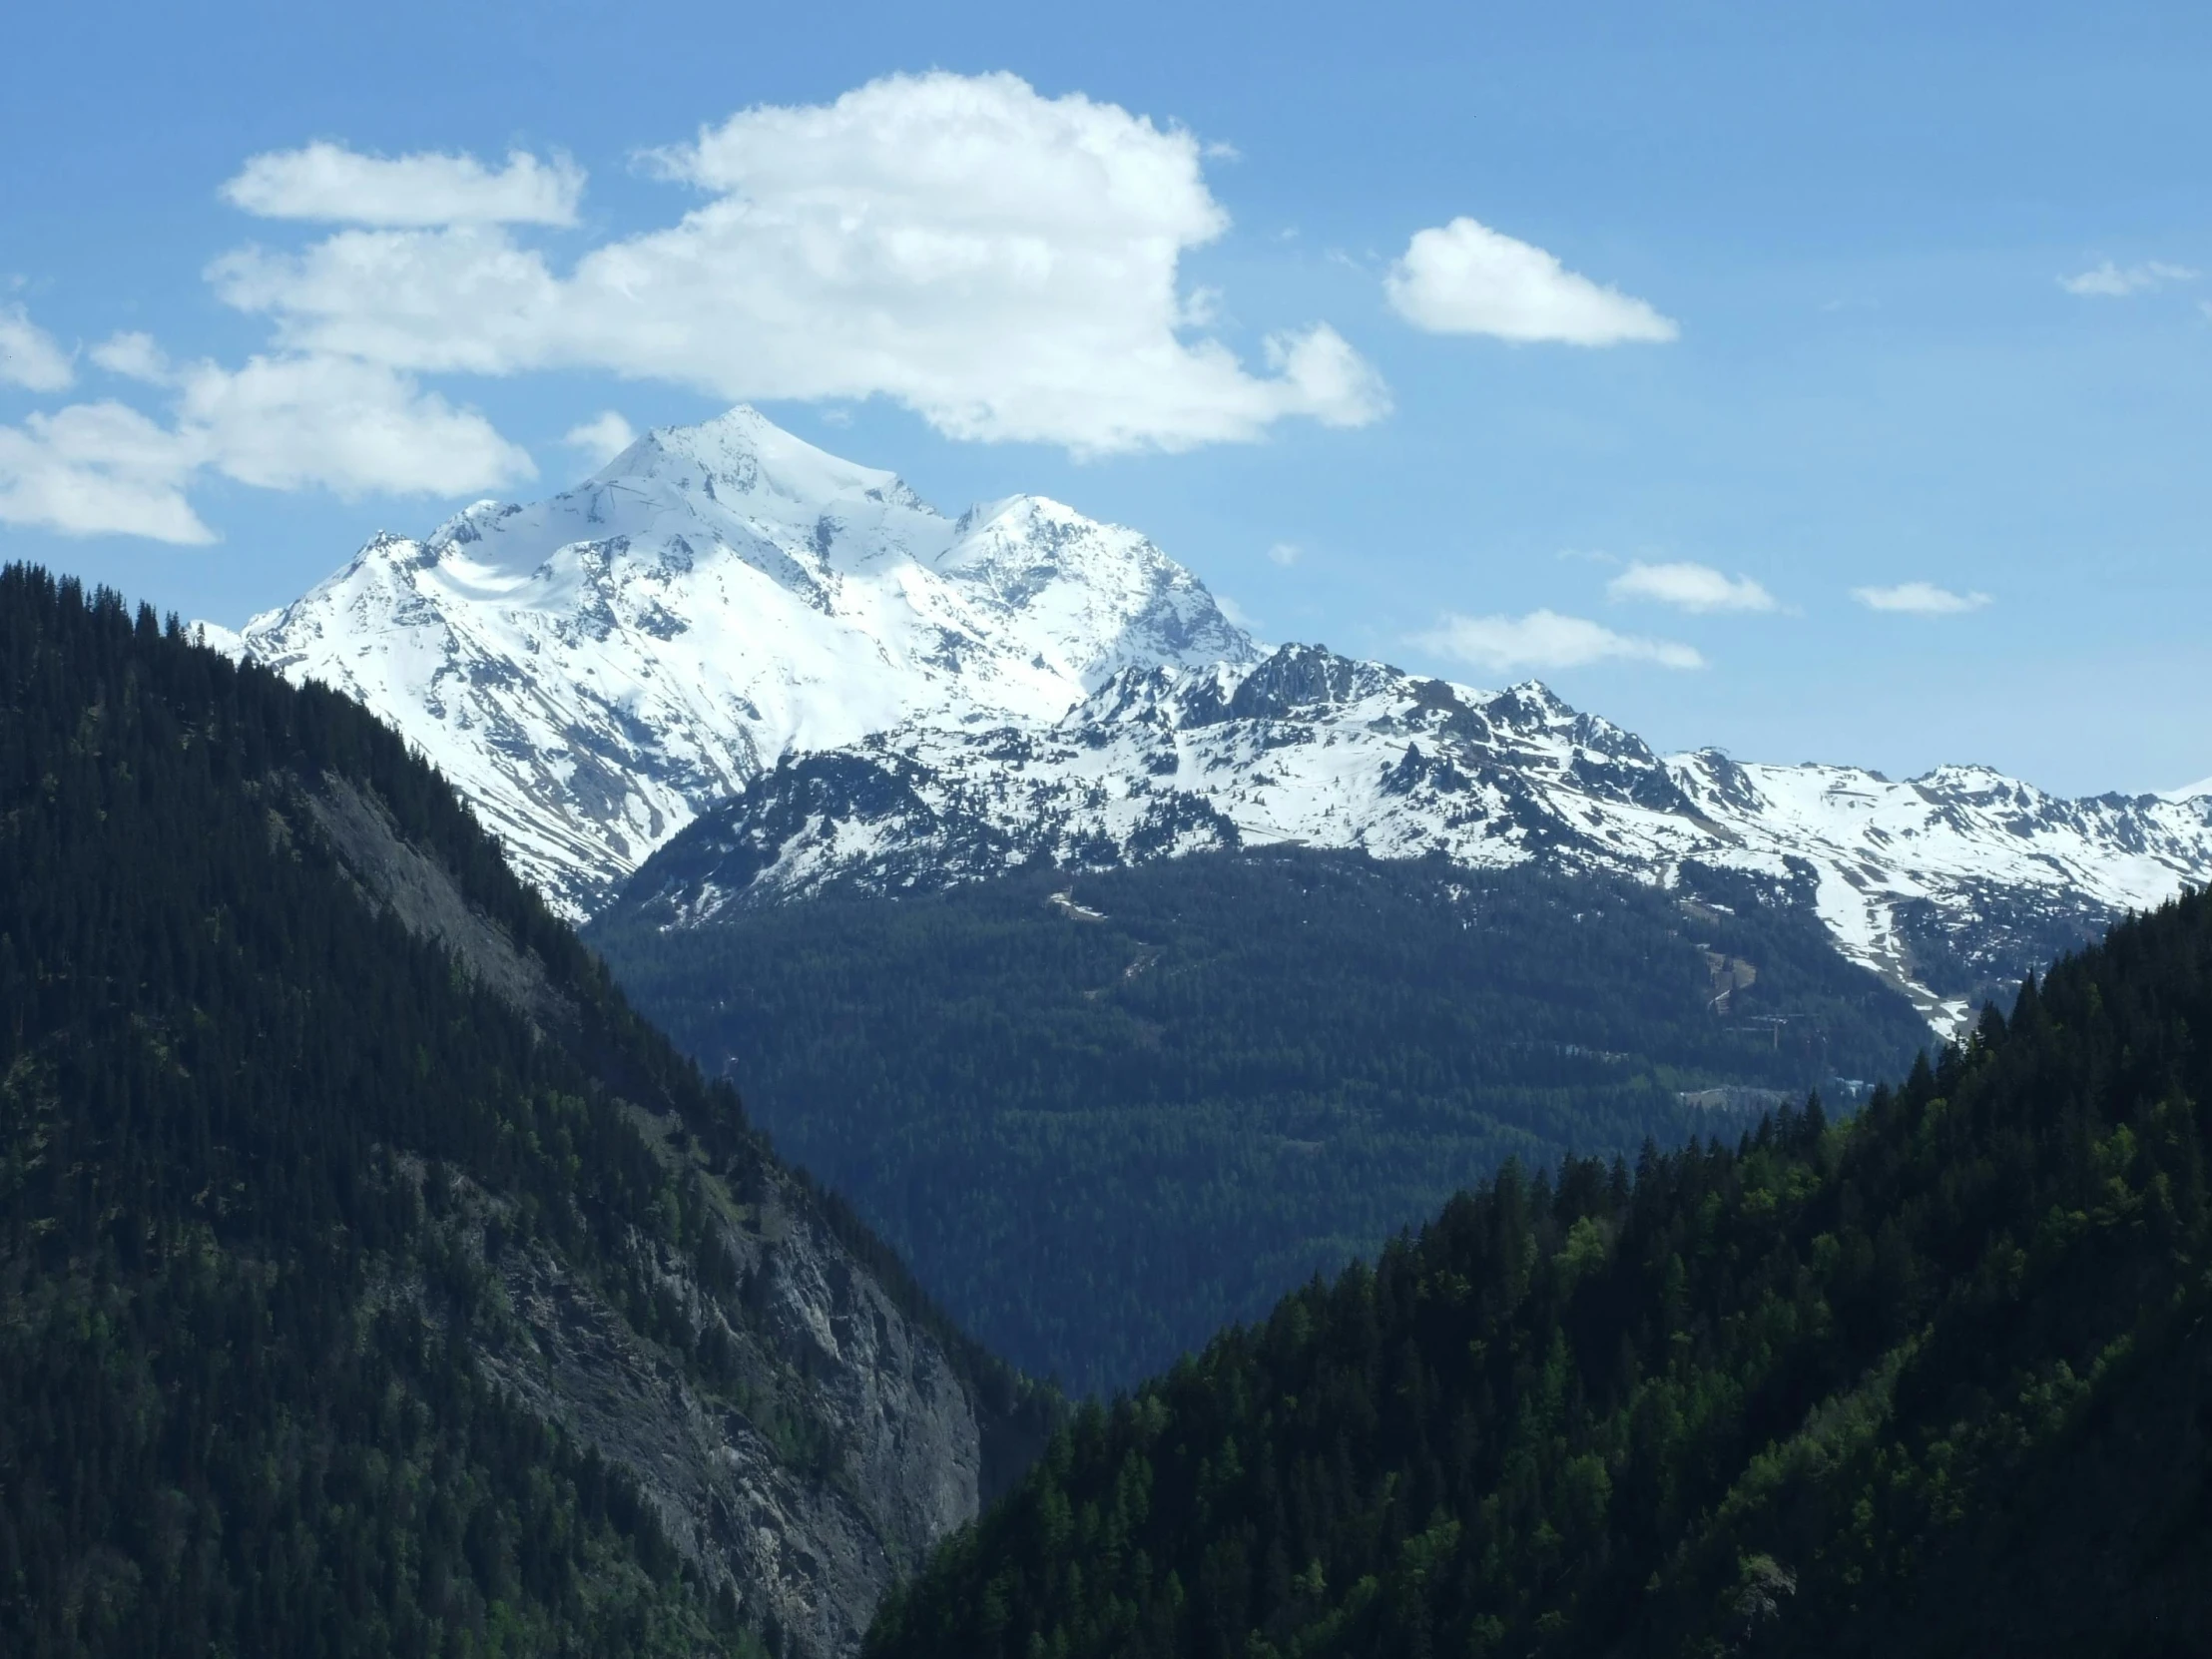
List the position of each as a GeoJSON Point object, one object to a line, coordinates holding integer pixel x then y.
{"type": "Point", "coordinates": [1466, 279]}
{"type": "Point", "coordinates": [330, 183]}
{"type": "Point", "coordinates": [1236, 613]}
{"type": "Point", "coordinates": [602, 437]}
{"type": "Point", "coordinates": [1691, 587]}
{"type": "Point", "coordinates": [1546, 640]}
{"type": "Point", "coordinates": [1286, 553]}
{"type": "Point", "coordinates": [134, 356]}
{"type": "Point", "coordinates": [285, 422]}
{"type": "Point", "coordinates": [29, 355]}
{"type": "Point", "coordinates": [2112, 282]}
{"type": "Point", "coordinates": [1918, 599]}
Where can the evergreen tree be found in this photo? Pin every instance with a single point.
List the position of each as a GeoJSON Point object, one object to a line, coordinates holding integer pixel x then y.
{"type": "Point", "coordinates": [243, 1109]}
{"type": "Point", "coordinates": [1102, 1128]}
{"type": "Point", "coordinates": [1932, 1381]}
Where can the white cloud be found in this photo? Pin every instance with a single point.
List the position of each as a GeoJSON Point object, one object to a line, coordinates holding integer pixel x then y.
{"type": "Point", "coordinates": [602, 437]}
{"type": "Point", "coordinates": [1004, 263]}
{"type": "Point", "coordinates": [1237, 614]}
{"type": "Point", "coordinates": [2111, 282]}
{"type": "Point", "coordinates": [98, 470]}
{"type": "Point", "coordinates": [1286, 553]}
{"type": "Point", "coordinates": [134, 356]}
{"type": "Point", "coordinates": [1466, 279]}
{"type": "Point", "coordinates": [29, 356]}
{"type": "Point", "coordinates": [330, 181]}
{"type": "Point", "coordinates": [1918, 599]}
{"type": "Point", "coordinates": [1690, 587]}
{"type": "Point", "coordinates": [1546, 640]}
{"type": "Point", "coordinates": [281, 423]}
{"type": "Point", "coordinates": [288, 423]}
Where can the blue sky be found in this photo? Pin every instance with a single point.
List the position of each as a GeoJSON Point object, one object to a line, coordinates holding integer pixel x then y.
{"type": "Point", "coordinates": [1797, 279]}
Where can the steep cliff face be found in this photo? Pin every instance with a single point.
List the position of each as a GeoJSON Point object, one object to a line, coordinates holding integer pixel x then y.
{"type": "Point", "coordinates": [805, 1432]}
{"type": "Point", "coordinates": [857, 1445]}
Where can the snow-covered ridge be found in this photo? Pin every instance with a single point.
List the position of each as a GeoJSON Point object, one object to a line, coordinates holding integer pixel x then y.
{"type": "Point", "coordinates": [593, 669]}
{"type": "Point", "coordinates": [856, 689]}
{"type": "Point", "coordinates": [1945, 885]}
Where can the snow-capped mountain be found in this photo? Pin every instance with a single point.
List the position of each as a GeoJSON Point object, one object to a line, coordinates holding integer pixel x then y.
{"type": "Point", "coordinates": [1948, 885]}
{"type": "Point", "coordinates": [594, 670]}
{"type": "Point", "coordinates": [856, 690]}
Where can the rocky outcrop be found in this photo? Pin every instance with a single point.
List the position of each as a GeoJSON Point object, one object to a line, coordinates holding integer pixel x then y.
{"type": "Point", "coordinates": [815, 1456]}
{"type": "Point", "coordinates": [804, 1425]}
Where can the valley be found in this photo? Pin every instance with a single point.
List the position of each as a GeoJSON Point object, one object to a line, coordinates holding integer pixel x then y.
{"type": "Point", "coordinates": [1057, 979]}
{"type": "Point", "coordinates": [1102, 1121]}
{"type": "Point", "coordinates": [1105, 833]}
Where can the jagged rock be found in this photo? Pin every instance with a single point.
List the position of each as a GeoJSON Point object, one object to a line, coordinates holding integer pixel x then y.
{"type": "Point", "coordinates": [1951, 885]}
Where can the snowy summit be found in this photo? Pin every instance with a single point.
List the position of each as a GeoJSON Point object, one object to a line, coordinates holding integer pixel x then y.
{"type": "Point", "coordinates": [594, 670]}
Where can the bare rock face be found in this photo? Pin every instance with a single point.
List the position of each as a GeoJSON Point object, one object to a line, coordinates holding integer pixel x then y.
{"type": "Point", "coordinates": [839, 1446]}
{"type": "Point", "coordinates": [803, 1425]}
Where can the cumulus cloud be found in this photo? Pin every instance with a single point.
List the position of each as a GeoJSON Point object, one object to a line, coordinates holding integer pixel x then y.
{"type": "Point", "coordinates": [1004, 263]}
{"type": "Point", "coordinates": [2111, 282]}
{"type": "Point", "coordinates": [1544, 640]}
{"type": "Point", "coordinates": [281, 423]}
{"type": "Point", "coordinates": [1918, 599]}
{"type": "Point", "coordinates": [1286, 553]}
{"type": "Point", "coordinates": [332, 183]}
{"type": "Point", "coordinates": [288, 423]}
{"type": "Point", "coordinates": [1466, 279]}
{"type": "Point", "coordinates": [1690, 587]}
{"type": "Point", "coordinates": [602, 437]}
{"type": "Point", "coordinates": [29, 356]}
{"type": "Point", "coordinates": [96, 469]}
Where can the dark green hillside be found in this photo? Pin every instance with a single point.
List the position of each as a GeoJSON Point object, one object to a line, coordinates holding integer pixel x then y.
{"type": "Point", "coordinates": [1938, 1381]}
{"type": "Point", "coordinates": [1100, 1138]}
{"type": "Point", "coordinates": [264, 1156]}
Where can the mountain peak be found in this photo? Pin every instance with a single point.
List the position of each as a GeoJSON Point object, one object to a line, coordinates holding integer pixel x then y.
{"type": "Point", "coordinates": [744, 454]}
{"type": "Point", "coordinates": [595, 669]}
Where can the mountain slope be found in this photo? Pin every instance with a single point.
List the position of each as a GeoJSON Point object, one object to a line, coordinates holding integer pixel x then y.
{"type": "Point", "coordinates": [726, 620]}
{"type": "Point", "coordinates": [592, 670]}
{"type": "Point", "coordinates": [1104, 1116]}
{"type": "Point", "coordinates": [1933, 1382]}
{"type": "Point", "coordinates": [372, 1279]}
{"type": "Point", "coordinates": [1947, 887]}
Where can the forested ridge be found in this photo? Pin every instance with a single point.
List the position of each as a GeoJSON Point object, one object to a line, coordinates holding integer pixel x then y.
{"type": "Point", "coordinates": [1104, 1115]}
{"type": "Point", "coordinates": [1935, 1380]}
{"type": "Point", "coordinates": [239, 1103]}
